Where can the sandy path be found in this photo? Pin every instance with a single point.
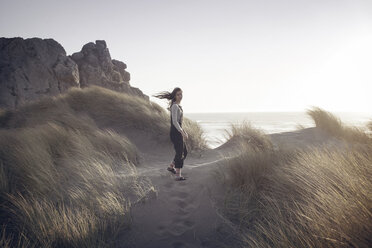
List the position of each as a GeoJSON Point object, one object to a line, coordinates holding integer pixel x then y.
{"type": "Point", "coordinates": [182, 213]}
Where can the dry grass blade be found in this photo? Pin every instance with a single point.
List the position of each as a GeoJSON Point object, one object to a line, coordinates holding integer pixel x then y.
{"type": "Point", "coordinates": [300, 198]}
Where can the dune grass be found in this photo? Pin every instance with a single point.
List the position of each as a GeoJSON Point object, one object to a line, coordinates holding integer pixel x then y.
{"type": "Point", "coordinates": [68, 171]}
{"type": "Point", "coordinates": [244, 133]}
{"type": "Point", "coordinates": [97, 106]}
{"type": "Point", "coordinates": [299, 198]}
{"type": "Point", "coordinates": [334, 126]}
{"type": "Point", "coordinates": [60, 187]}
{"type": "Point", "coordinates": [101, 108]}
{"type": "Point", "coordinates": [196, 141]}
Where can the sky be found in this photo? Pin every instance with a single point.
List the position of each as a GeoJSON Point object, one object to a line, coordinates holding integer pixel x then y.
{"type": "Point", "coordinates": [227, 56]}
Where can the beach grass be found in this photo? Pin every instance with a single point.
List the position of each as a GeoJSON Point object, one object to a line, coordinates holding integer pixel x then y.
{"type": "Point", "coordinates": [334, 126]}
{"type": "Point", "coordinates": [68, 171]}
{"type": "Point", "coordinates": [314, 197]}
{"type": "Point", "coordinates": [196, 141]}
{"type": "Point", "coordinates": [62, 187]}
{"type": "Point", "coordinates": [98, 107]}
{"type": "Point", "coordinates": [245, 133]}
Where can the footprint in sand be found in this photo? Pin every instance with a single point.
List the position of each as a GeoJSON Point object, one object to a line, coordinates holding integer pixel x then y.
{"type": "Point", "coordinates": [161, 227]}
{"type": "Point", "coordinates": [183, 221]}
{"type": "Point", "coordinates": [178, 245]}
{"type": "Point", "coordinates": [181, 206]}
{"type": "Point", "coordinates": [182, 203]}
{"type": "Point", "coordinates": [181, 211]}
{"type": "Point", "coordinates": [189, 223]}
{"type": "Point", "coordinates": [168, 183]}
{"type": "Point", "coordinates": [180, 195]}
{"type": "Point", "coordinates": [160, 230]}
{"type": "Point", "coordinates": [180, 221]}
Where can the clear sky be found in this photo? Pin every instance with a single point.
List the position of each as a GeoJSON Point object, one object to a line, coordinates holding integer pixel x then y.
{"type": "Point", "coordinates": [267, 55]}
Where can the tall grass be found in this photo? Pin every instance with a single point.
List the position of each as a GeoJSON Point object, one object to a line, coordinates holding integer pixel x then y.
{"type": "Point", "coordinates": [196, 141]}
{"type": "Point", "coordinates": [59, 186]}
{"type": "Point", "coordinates": [334, 126]}
{"type": "Point", "coordinates": [67, 169]}
{"type": "Point", "coordinates": [101, 108]}
{"type": "Point", "coordinates": [244, 133]}
{"type": "Point", "coordinates": [61, 161]}
{"type": "Point", "coordinates": [299, 198]}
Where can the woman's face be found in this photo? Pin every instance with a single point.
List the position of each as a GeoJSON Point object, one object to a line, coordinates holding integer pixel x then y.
{"type": "Point", "coordinates": [179, 96]}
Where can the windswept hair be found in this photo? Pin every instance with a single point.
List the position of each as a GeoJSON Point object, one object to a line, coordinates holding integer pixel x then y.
{"type": "Point", "coordinates": [170, 96]}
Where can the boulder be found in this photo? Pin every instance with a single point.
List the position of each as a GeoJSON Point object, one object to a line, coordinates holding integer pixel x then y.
{"type": "Point", "coordinates": [31, 68]}
{"type": "Point", "coordinates": [35, 67]}
{"type": "Point", "coordinates": [97, 68]}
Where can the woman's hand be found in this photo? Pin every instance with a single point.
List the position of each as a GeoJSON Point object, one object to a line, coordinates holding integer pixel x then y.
{"type": "Point", "coordinates": [185, 135]}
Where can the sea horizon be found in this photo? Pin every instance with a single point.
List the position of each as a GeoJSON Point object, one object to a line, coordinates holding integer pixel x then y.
{"type": "Point", "coordinates": [217, 124]}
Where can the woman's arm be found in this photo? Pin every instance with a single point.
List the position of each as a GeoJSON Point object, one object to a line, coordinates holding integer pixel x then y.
{"type": "Point", "coordinates": [175, 110]}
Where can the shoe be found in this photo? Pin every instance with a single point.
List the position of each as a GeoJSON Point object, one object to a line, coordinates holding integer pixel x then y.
{"type": "Point", "coordinates": [172, 170]}
{"type": "Point", "coordinates": [181, 178]}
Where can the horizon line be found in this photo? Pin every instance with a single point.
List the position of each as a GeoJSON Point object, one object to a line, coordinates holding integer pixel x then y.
{"type": "Point", "coordinates": [275, 111]}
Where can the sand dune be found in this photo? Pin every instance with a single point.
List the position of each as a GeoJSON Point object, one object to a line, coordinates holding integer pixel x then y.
{"type": "Point", "coordinates": [183, 214]}
{"type": "Point", "coordinates": [120, 148]}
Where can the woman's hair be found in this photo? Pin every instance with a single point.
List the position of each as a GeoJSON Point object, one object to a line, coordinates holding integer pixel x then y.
{"type": "Point", "coordinates": [170, 96]}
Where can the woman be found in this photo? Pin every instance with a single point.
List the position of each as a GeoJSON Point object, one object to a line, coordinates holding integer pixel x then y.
{"type": "Point", "coordinates": [177, 133]}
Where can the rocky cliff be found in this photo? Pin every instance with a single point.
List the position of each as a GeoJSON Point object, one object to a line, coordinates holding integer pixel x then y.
{"type": "Point", "coordinates": [31, 68]}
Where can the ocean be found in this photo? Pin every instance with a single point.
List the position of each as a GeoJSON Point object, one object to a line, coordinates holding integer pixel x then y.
{"type": "Point", "coordinates": [215, 125]}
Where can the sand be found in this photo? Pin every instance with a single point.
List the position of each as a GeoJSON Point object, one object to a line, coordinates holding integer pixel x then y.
{"type": "Point", "coordinates": [183, 213]}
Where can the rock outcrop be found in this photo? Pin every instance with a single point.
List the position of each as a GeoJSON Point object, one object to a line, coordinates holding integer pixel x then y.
{"type": "Point", "coordinates": [32, 68]}
{"type": "Point", "coordinates": [96, 67]}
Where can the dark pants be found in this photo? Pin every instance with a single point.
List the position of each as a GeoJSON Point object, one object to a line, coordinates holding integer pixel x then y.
{"type": "Point", "coordinates": [179, 147]}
